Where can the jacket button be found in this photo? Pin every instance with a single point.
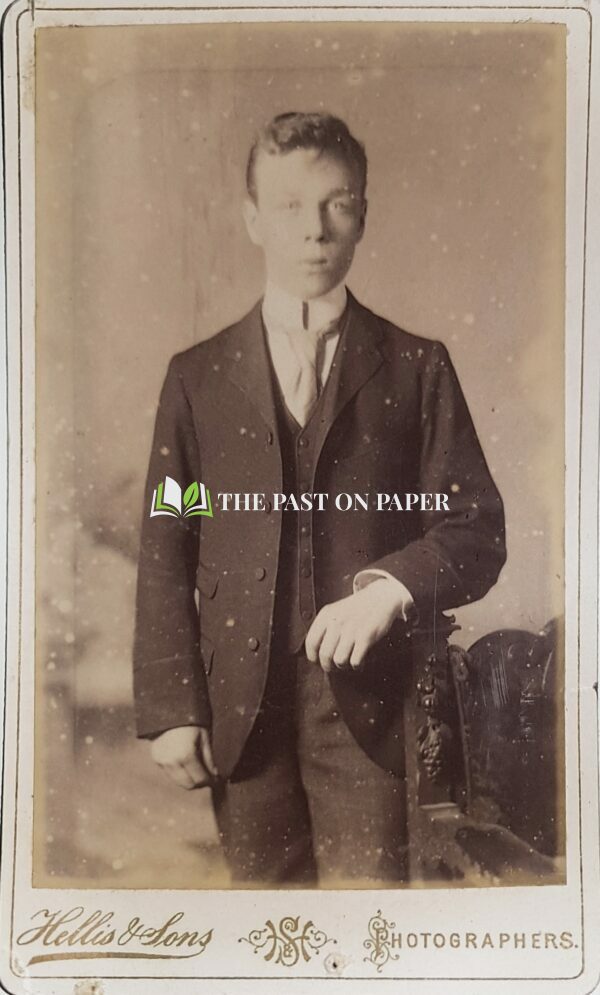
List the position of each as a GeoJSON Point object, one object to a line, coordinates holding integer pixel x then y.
{"type": "Point", "coordinates": [305, 571]}
{"type": "Point", "coordinates": [260, 573]}
{"type": "Point", "coordinates": [268, 507]}
{"type": "Point", "coordinates": [269, 438]}
{"type": "Point", "coordinates": [253, 643]}
{"type": "Point", "coordinates": [306, 614]}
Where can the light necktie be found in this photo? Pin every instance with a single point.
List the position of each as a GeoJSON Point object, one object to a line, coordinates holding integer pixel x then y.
{"type": "Point", "coordinates": [301, 385]}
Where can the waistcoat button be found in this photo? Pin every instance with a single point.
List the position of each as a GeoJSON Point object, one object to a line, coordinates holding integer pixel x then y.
{"type": "Point", "coordinates": [260, 573]}
{"type": "Point", "coordinates": [253, 643]}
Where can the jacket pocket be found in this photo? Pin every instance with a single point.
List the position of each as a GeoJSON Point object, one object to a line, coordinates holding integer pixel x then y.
{"type": "Point", "coordinates": [207, 581]}
{"type": "Point", "coordinates": [207, 652]}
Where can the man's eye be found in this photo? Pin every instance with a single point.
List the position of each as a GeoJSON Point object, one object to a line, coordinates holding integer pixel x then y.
{"type": "Point", "coordinates": [341, 205]}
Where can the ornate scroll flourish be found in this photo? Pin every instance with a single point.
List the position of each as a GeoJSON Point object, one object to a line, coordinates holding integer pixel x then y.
{"type": "Point", "coordinates": [287, 942]}
{"type": "Point", "coordinates": [379, 942]}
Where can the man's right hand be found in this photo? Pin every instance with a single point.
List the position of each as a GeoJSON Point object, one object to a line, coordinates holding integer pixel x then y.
{"type": "Point", "coordinates": [185, 755]}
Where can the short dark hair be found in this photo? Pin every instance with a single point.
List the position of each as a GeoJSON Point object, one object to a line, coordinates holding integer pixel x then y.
{"type": "Point", "coordinates": [295, 130]}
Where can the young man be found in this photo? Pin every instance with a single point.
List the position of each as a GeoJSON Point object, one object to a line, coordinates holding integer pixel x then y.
{"type": "Point", "coordinates": [284, 689]}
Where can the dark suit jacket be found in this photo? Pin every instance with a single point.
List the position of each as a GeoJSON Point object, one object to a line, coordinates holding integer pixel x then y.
{"type": "Point", "coordinates": [400, 424]}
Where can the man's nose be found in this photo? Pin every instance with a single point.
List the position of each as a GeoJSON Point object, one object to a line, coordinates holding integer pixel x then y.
{"type": "Point", "coordinates": [315, 224]}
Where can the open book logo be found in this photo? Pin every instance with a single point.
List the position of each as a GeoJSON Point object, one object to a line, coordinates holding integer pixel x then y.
{"type": "Point", "coordinates": [168, 499]}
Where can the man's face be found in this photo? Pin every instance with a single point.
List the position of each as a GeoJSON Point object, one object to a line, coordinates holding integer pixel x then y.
{"type": "Point", "coordinates": [308, 217]}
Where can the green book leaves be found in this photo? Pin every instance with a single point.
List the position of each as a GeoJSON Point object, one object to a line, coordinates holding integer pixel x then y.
{"type": "Point", "coordinates": [191, 495]}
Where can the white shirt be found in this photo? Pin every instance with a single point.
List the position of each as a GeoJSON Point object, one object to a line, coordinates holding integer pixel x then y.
{"type": "Point", "coordinates": [281, 310]}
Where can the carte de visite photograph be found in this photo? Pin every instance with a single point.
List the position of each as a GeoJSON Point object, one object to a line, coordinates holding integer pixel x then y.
{"type": "Point", "coordinates": [300, 455]}
{"type": "Point", "coordinates": [301, 619]}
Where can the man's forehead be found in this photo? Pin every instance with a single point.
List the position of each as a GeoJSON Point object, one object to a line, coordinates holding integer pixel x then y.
{"type": "Point", "coordinates": [318, 162]}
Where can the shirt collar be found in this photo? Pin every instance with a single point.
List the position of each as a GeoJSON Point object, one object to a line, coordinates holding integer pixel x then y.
{"type": "Point", "coordinates": [282, 310]}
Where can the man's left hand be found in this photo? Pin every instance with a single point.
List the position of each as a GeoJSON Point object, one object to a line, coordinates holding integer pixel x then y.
{"type": "Point", "coordinates": [344, 631]}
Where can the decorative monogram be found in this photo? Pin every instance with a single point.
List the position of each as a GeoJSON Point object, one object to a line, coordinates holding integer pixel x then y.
{"type": "Point", "coordinates": [379, 941]}
{"type": "Point", "coordinates": [288, 942]}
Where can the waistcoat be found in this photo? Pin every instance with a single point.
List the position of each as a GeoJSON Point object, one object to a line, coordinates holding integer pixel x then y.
{"type": "Point", "coordinates": [294, 592]}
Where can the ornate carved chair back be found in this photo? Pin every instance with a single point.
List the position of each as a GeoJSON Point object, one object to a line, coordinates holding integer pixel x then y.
{"type": "Point", "coordinates": [511, 707]}
{"type": "Point", "coordinates": [484, 755]}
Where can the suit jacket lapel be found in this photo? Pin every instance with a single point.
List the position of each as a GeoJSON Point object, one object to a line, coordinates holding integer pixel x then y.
{"type": "Point", "coordinates": [356, 360]}
{"type": "Point", "coordinates": [249, 365]}
{"type": "Point", "coordinates": [360, 353]}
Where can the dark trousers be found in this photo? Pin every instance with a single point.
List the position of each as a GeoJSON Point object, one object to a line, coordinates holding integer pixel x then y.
{"type": "Point", "coordinates": [306, 805]}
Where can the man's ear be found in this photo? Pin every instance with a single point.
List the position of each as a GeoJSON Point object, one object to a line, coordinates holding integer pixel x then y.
{"type": "Point", "coordinates": [252, 220]}
{"type": "Point", "coordinates": [362, 220]}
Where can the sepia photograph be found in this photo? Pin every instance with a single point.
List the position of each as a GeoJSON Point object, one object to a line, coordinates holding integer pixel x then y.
{"type": "Point", "coordinates": [300, 505]}
{"type": "Point", "coordinates": [295, 259]}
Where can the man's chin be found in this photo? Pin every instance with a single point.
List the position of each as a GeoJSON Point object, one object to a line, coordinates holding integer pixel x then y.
{"type": "Point", "coordinates": [316, 285]}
